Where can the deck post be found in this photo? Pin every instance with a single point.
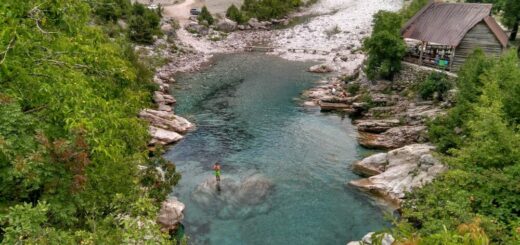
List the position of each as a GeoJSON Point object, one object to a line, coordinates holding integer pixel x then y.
{"type": "Point", "coordinates": [452, 58]}
{"type": "Point", "coordinates": [421, 53]}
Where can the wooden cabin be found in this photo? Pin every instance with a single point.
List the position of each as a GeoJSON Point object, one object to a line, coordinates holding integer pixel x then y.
{"type": "Point", "coordinates": [443, 35]}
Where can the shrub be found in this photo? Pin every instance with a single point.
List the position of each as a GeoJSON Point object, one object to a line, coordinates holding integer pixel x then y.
{"type": "Point", "coordinates": [435, 83]}
{"type": "Point", "coordinates": [353, 88]}
{"type": "Point", "coordinates": [205, 15]}
{"type": "Point", "coordinates": [143, 24]}
{"type": "Point", "coordinates": [233, 13]}
{"type": "Point", "coordinates": [483, 141]}
{"type": "Point", "coordinates": [269, 9]}
{"type": "Point", "coordinates": [112, 10]}
{"type": "Point", "coordinates": [385, 47]}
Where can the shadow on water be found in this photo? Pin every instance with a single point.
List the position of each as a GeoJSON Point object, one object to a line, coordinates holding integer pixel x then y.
{"type": "Point", "coordinates": [284, 167]}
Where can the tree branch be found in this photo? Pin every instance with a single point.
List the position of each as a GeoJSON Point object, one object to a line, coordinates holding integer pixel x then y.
{"type": "Point", "coordinates": [4, 53]}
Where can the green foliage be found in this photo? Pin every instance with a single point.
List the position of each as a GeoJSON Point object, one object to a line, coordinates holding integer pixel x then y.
{"type": "Point", "coordinates": [71, 145]}
{"type": "Point", "coordinates": [353, 88]}
{"type": "Point", "coordinates": [233, 13]}
{"type": "Point", "coordinates": [414, 7]}
{"type": "Point", "coordinates": [205, 15]}
{"type": "Point", "coordinates": [481, 136]}
{"type": "Point", "coordinates": [112, 10]}
{"type": "Point", "coordinates": [435, 83]}
{"type": "Point", "coordinates": [269, 9]}
{"type": "Point", "coordinates": [143, 24]}
{"type": "Point", "coordinates": [29, 225]}
{"type": "Point", "coordinates": [448, 131]}
{"type": "Point", "coordinates": [385, 48]}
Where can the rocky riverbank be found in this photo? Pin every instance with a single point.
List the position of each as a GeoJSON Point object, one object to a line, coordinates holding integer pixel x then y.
{"type": "Point", "coordinates": [389, 115]}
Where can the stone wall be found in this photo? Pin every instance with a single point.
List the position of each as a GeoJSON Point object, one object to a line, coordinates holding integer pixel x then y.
{"type": "Point", "coordinates": [412, 74]}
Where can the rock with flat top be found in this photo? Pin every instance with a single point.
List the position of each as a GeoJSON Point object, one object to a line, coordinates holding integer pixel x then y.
{"type": "Point", "coordinates": [166, 120]}
{"type": "Point", "coordinates": [226, 25]}
{"type": "Point", "coordinates": [163, 136]}
{"type": "Point", "coordinates": [376, 126]}
{"type": "Point", "coordinates": [170, 214]}
{"type": "Point", "coordinates": [407, 168]}
{"type": "Point", "coordinates": [372, 165]}
{"type": "Point", "coordinates": [164, 107]}
{"type": "Point", "coordinates": [162, 98]}
{"type": "Point", "coordinates": [393, 138]}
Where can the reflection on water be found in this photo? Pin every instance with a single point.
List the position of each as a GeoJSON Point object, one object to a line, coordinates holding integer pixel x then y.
{"type": "Point", "coordinates": [283, 166]}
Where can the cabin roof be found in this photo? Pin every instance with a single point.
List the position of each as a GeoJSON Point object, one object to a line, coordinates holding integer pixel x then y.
{"type": "Point", "coordinates": [448, 23]}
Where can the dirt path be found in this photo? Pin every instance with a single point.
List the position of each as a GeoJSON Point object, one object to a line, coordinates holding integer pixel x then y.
{"type": "Point", "coordinates": [181, 12]}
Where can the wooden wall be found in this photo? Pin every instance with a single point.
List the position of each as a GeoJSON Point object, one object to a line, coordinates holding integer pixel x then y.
{"type": "Point", "coordinates": [479, 36]}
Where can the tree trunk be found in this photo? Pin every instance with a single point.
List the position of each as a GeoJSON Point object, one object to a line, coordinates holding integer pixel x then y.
{"type": "Point", "coordinates": [514, 31]}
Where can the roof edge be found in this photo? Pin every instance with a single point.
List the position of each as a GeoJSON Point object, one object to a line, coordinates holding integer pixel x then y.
{"type": "Point", "coordinates": [412, 20]}
{"type": "Point", "coordinates": [497, 31]}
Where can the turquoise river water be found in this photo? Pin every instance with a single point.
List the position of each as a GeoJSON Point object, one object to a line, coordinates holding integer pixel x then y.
{"type": "Point", "coordinates": [248, 116]}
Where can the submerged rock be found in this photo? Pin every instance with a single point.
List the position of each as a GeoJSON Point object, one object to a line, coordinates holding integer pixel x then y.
{"type": "Point", "coordinates": [407, 168]}
{"type": "Point", "coordinates": [170, 214]}
{"type": "Point", "coordinates": [234, 199]}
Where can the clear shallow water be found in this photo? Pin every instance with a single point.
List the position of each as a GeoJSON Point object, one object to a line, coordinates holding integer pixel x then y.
{"type": "Point", "coordinates": [249, 119]}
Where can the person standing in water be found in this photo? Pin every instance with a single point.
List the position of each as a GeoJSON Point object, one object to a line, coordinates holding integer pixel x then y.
{"type": "Point", "coordinates": [216, 168]}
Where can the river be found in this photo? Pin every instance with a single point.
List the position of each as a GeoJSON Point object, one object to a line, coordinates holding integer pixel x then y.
{"type": "Point", "coordinates": [250, 119]}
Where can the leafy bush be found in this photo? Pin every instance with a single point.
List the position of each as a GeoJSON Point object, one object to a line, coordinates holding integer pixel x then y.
{"type": "Point", "coordinates": [205, 15]}
{"type": "Point", "coordinates": [269, 9]}
{"type": "Point", "coordinates": [143, 24]}
{"type": "Point", "coordinates": [481, 136]}
{"type": "Point", "coordinates": [71, 145]}
{"type": "Point", "coordinates": [448, 131]}
{"type": "Point", "coordinates": [233, 13]}
{"type": "Point", "coordinates": [385, 48]}
{"type": "Point", "coordinates": [112, 10]}
{"type": "Point", "coordinates": [414, 7]}
{"type": "Point", "coordinates": [435, 83]}
{"type": "Point", "coordinates": [353, 88]}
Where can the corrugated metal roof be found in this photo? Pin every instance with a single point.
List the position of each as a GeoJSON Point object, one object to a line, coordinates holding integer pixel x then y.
{"type": "Point", "coordinates": [497, 31]}
{"type": "Point", "coordinates": [448, 23]}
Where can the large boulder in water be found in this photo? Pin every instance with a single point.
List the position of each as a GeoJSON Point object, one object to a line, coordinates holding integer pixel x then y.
{"type": "Point", "coordinates": [232, 198]}
{"type": "Point", "coordinates": [170, 214]}
{"type": "Point", "coordinates": [406, 168]}
{"type": "Point", "coordinates": [372, 165]}
{"type": "Point", "coordinates": [254, 190]}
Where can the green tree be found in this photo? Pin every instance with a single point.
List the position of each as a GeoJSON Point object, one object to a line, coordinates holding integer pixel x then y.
{"type": "Point", "coordinates": [71, 146]}
{"type": "Point", "coordinates": [205, 15]}
{"type": "Point", "coordinates": [233, 13]}
{"type": "Point", "coordinates": [385, 48]}
{"type": "Point", "coordinates": [484, 160]}
{"type": "Point", "coordinates": [143, 24]}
